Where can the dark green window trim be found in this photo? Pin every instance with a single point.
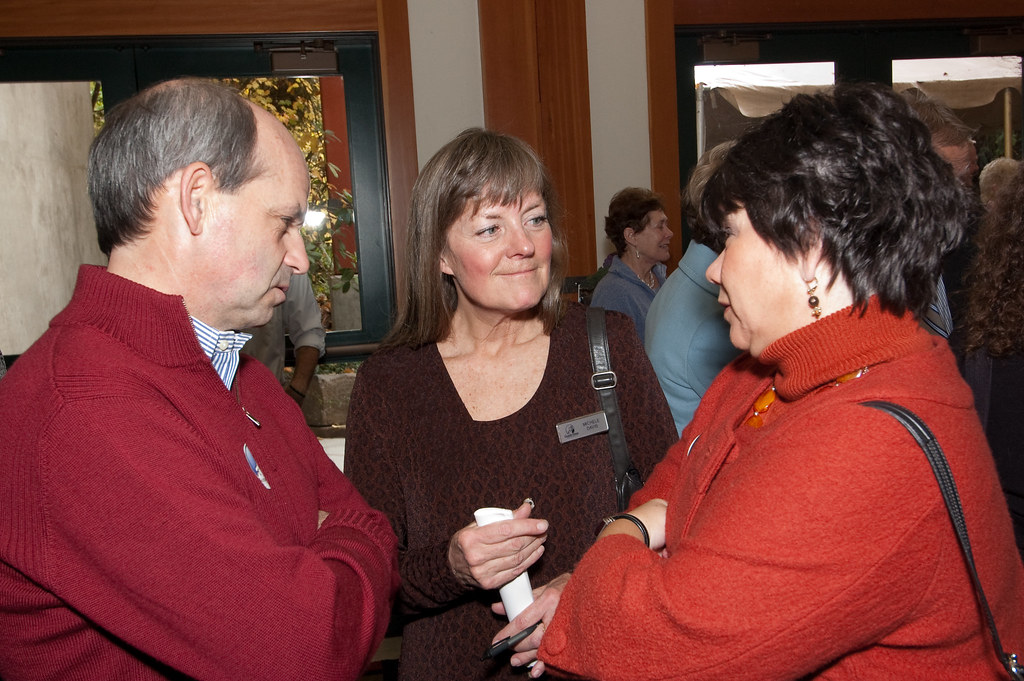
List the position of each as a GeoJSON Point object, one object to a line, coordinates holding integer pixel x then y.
{"type": "Point", "coordinates": [126, 65]}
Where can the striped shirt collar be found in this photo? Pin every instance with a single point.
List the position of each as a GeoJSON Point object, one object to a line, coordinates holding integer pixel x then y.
{"type": "Point", "coordinates": [221, 347]}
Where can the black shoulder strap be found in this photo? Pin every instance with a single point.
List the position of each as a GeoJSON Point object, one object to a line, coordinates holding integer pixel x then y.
{"type": "Point", "coordinates": [940, 467]}
{"type": "Point", "coordinates": [604, 381]}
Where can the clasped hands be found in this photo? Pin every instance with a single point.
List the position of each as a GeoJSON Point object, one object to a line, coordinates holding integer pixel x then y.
{"type": "Point", "coordinates": [652, 514]}
{"type": "Point", "coordinates": [491, 556]}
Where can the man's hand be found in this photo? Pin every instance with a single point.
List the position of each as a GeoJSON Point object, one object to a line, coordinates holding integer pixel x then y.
{"type": "Point", "coordinates": [306, 358]}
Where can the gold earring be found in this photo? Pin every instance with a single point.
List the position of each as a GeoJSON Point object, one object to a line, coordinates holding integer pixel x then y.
{"type": "Point", "coordinates": [812, 299]}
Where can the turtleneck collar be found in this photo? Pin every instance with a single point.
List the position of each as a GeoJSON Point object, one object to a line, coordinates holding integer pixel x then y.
{"type": "Point", "coordinates": [151, 323]}
{"type": "Point", "coordinates": [844, 341]}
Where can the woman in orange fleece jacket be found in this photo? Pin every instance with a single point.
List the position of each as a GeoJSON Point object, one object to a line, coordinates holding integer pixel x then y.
{"type": "Point", "coordinates": [794, 533]}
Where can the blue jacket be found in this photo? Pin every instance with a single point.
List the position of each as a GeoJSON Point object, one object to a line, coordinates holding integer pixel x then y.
{"type": "Point", "coordinates": [687, 337]}
{"type": "Point", "coordinates": [622, 290]}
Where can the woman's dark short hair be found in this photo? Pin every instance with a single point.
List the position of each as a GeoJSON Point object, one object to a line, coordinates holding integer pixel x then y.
{"type": "Point", "coordinates": [476, 168]}
{"type": "Point", "coordinates": [629, 208]}
{"type": "Point", "coordinates": [854, 170]}
{"type": "Point", "coordinates": [160, 130]}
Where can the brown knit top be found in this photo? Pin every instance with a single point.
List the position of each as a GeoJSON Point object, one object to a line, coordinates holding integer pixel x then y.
{"type": "Point", "coordinates": [414, 452]}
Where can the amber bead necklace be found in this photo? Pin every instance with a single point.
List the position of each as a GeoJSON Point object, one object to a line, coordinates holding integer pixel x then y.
{"type": "Point", "coordinates": [766, 399]}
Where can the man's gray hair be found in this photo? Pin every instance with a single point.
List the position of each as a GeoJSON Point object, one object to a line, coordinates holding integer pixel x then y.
{"type": "Point", "coordinates": [157, 132]}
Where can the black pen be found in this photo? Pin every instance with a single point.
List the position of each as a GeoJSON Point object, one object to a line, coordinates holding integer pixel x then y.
{"type": "Point", "coordinates": [508, 643]}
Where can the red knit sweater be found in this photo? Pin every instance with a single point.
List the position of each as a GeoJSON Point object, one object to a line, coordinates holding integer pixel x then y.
{"type": "Point", "coordinates": [817, 546]}
{"type": "Point", "coordinates": [135, 540]}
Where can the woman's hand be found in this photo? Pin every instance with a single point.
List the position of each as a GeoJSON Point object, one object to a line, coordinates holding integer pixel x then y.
{"type": "Point", "coordinates": [491, 556]}
{"type": "Point", "coordinates": [652, 515]}
{"type": "Point", "coordinates": [545, 600]}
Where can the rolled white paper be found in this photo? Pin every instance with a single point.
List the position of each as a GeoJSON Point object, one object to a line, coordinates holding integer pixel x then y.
{"type": "Point", "coordinates": [518, 593]}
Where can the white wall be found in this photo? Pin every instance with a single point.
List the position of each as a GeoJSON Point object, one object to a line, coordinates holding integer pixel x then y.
{"type": "Point", "coordinates": [444, 37]}
{"type": "Point", "coordinates": [46, 228]}
{"type": "Point", "coordinates": [617, 59]}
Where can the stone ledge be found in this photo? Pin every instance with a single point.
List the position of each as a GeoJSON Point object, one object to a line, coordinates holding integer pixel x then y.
{"type": "Point", "coordinates": [327, 400]}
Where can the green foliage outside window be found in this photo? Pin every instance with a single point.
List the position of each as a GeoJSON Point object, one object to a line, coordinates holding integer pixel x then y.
{"type": "Point", "coordinates": [296, 103]}
{"type": "Point", "coordinates": [96, 91]}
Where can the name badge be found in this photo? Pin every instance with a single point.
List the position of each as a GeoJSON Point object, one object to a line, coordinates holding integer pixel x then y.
{"type": "Point", "coordinates": [582, 427]}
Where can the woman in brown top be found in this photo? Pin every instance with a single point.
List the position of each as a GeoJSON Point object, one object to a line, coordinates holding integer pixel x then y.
{"type": "Point", "coordinates": [458, 410]}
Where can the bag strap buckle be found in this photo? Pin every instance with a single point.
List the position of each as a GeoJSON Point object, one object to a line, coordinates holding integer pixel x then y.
{"type": "Point", "coordinates": [604, 380]}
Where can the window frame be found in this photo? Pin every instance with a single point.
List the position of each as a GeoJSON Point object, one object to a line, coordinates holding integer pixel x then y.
{"type": "Point", "coordinates": [126, 65]}
{"type": "Point", "coordinates": [860, 52]}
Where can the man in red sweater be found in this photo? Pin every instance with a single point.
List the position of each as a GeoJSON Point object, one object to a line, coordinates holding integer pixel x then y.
{"type": "Point", "coordinates": [164, 510]}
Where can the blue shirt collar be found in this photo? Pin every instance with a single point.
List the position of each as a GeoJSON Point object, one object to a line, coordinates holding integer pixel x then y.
{"type": "Point", "coordinates": [221, 347]}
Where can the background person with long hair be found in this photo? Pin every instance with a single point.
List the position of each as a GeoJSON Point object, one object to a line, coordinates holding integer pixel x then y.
{"type": "Point", "coordinates": [795, 533]}
{"type": "Point", "coordinates": [459, 409]}
{"type": "Point", "coordinates": [993, 338]}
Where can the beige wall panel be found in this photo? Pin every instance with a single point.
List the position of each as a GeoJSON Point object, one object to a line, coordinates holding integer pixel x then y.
{"type": "Point", "coordinates": [620, 135]}
{"type": "Point", "coordinates": [47, 229]}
